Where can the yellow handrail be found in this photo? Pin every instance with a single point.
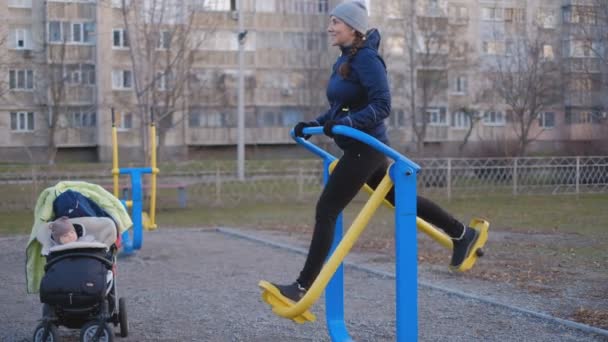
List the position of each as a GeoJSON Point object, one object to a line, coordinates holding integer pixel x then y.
{"type": "Point", "coordinates": [115, 169]}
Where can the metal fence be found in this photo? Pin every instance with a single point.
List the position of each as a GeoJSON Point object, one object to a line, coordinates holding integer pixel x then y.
{"type": "Point", "coordinates": [215, 183]}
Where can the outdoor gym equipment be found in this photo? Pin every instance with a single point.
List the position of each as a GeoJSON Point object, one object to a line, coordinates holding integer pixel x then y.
{"type": "Point", "coordinates": [141, 220]}
{"type": "Point", "coordinates": [401, 174]}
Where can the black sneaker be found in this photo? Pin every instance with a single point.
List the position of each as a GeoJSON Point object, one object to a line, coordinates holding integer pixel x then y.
{"type": "Point", "coordinates": [462, 247]}
{"type": "Point", "coordinates": [294, 291]}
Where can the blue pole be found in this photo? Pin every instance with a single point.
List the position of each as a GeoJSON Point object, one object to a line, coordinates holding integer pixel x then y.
{"type": "Point", "coordinates": [334, 292]}
{"type": "Point", "coordinates": [406, 263]}
{"type": "Point", "coordinates": [129, 245]}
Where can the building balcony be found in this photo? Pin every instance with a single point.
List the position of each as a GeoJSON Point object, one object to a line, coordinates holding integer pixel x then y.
{"type": "Point", "coordinates": [76, 137]}
{"type": "Point", "coordinates": [210, 136]}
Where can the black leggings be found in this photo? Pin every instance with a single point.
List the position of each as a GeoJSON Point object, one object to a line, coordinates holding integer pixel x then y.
{"type": "Point", "coordinates": [359, 165]}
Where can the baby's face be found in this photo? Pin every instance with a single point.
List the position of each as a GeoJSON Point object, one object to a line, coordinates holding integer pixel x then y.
{"type": "Point", "coordinates": [68, 237]}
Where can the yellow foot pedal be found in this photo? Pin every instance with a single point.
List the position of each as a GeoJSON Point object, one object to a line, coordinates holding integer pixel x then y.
{"type": "Point", "coordinates": [273, 297]}
{"type": "Point", "coordinates": [482, 227]}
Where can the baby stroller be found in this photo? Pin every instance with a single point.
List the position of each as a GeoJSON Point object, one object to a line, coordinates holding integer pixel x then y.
{"type": "Point", "coordinates": [78, 289]}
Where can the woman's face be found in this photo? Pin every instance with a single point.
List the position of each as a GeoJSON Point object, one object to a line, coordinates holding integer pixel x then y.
{"type": "Point", "coordinates": [340, 34]}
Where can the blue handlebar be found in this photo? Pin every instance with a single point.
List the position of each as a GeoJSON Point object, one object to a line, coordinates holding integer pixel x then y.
{"type": "Point", "coordinates": [354, 134]}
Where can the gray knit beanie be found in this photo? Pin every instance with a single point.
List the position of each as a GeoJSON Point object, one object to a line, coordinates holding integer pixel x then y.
{"type": "Point", "coordinates": [352, 13]}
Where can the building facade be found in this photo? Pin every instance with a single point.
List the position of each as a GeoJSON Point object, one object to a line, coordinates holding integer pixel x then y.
{"type": "Point", "coordinates": [68, 64]}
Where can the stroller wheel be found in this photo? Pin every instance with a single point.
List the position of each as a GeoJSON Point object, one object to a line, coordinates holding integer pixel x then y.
{"type": "Point", "coordinates": [88, 331]}
{"type": "Point", "coordinates": [122, 316]}
{"type": "Point", "coordinates": [52, 336]}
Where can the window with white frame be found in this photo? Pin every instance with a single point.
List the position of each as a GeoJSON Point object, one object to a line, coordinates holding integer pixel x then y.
{"type": "Point", "coordinates": [460, 84]}
{"type": "Point", "coordinates": [265, 6]}
{"type": "Point", "coordinates": [23, 38]}
{"type": "Point", "coordinates": [78, 74]}
{"type": "Point", "coordinates": [22, 121]}
{"type": "Point", "coordinates": [71, 32]}
{"type": "Point", "coordinates": [494, 118]}
{"type": "Point", "coordinates": [161, 81]}
{"type": "Point", "coordinates": [120, 38]}
{"type": "Point", "coordinates": [491, 13]}
{"type": "Point", "coordinates": [546, 18]}
{"type": "Point", "coordinates": [546, 120]}
{"type": "Point", "coordinates": [436, 117]}
{"type": "Point", "coordinates": [194, 119]}
{"type": "Point", "coordinates": [164, 40]}
{"type": "Point", "coordinates": [493, 47]}
{"type": "Point", "coordinates": [20, 3]}
{"type": "Point", "coordinates": [55, 32]}
{"type": "Point", "coordinates": [122, 79]}
{"type": "Point", "coordinates": [395, 45]}
{"type": "Point", "coordinates": [461, 120]}
{"type": "Point", "coordinates": [119, 3]}
{"type": "Point", "coordinates": [218, 5]}
{"type": "Point", "coordinates": [548, 52]}
{"type": "Point", "coordinates": [78, 119]}
{"type": "Point", "coordinates": [124, 121]}
{"type": "Point", "coordinates": [21, 79]}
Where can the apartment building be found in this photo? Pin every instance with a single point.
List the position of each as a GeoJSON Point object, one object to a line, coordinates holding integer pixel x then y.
{"type": "Point", "coordinates": [67, 64]}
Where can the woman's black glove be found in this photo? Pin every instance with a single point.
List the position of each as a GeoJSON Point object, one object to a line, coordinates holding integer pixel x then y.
{"type": "Point", "coordinates": [328, 126]}
{"type": "Point", "coordinates": [299, 128]}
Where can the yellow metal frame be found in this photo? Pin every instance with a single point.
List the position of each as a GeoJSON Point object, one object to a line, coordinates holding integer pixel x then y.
{"type": "Point", "coordinates": [299, 312]}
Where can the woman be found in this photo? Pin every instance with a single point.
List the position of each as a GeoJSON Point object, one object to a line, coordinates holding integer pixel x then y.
{"type": "Point", "coordinates": [359, 97]}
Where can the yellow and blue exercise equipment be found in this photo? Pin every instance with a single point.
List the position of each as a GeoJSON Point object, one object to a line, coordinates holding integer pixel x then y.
{"type": "Point", "coordinates": [402, 175]}
{"type": "Point", "coordinates": [141, 220]}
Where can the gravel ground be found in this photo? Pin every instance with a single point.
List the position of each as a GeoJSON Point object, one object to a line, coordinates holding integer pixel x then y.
{"type": "Point", "coordinates": [201, 285]}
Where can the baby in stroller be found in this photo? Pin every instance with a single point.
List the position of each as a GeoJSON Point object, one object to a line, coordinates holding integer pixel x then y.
{"type": "Point", "coordinates": [78, 289]}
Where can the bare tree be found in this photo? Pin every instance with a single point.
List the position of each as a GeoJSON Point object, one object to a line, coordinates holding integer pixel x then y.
{"type": "Point", "coordinates": [529, 83]}
{"type": "Point", "coordinates": [3, 65]}
{"type": "Point", "coordinates": [162, 41]}
{"type": "Point", "coordinates": [423, 74]}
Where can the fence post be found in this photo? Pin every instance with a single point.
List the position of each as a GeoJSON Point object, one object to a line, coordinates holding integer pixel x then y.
{"type": "Point", "coordinates": [218, 185]}
{"type": "Point", "coordinates": [448, 177]}
{"type": "Point", "coordinates": [515, 176]}
{"type": "Point", "coordinates": [578, 174]}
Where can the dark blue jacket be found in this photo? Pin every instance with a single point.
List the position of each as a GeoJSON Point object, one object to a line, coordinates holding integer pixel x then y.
{"type": "Point", "coordinates": [365, 93]}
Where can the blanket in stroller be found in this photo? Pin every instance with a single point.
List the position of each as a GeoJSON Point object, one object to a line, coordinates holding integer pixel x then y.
{"type": "Point", "coordinates": [43, 213]}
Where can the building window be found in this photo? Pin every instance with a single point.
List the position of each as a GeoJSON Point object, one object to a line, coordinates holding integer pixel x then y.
{"type": "Point", "coordinates": [461, 120]}
{"type": "Point", "coordinates": [65, 31]}
{"type": "Point", "coordinates": [323, 6]}
{"type": "Point", "coordinates": [164, 40]}
{"type": "Point", "coordinates": [491, 13]}
{"type": "Point", "coordinates": [120, 38]}
{"type": "Point", "coordinates": [194, 119]}
{"type": "Point", "coordinates": [546, 18]}
{"type": "Point", "coordinates": [161, 81]}
{"type": "Point", "coordinates": [55, 31]}
{"type": "Point", "coordinates": [495, 47]}
{"type": "Point", "coordinates": [460, 85]}
{"type": "Point", "coordinates": [80, 119]}
{"type": "Point", "coordinates": [514, 15]}
{"type": "Point", "coordinates": [22, 121]}
{"type": "Point", "coordinates": [124, 121]}
{"type": "Point", "coordinates": [290, 117]}
{"type": "Point", "coordinates": [22, 39]}
{"type": "Point", "coordinates": [436, 117]}
{"type": "Point", "coordinates": [493, 118]}
{"type": "Point", "coordinates": [546, 120]}
{"type": "Point", "coordinates": [122, 79]}
{"type": "Point", "coordinates": [21, 79]}
{"type": "Point", "coordinates": [218, 5]}
{"type": "Point", "coordinates": [548, 52]}
{"type": "Point", "coordinates": [20, 3]}
{"type": "Point", "coordinates": [77, 74]}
